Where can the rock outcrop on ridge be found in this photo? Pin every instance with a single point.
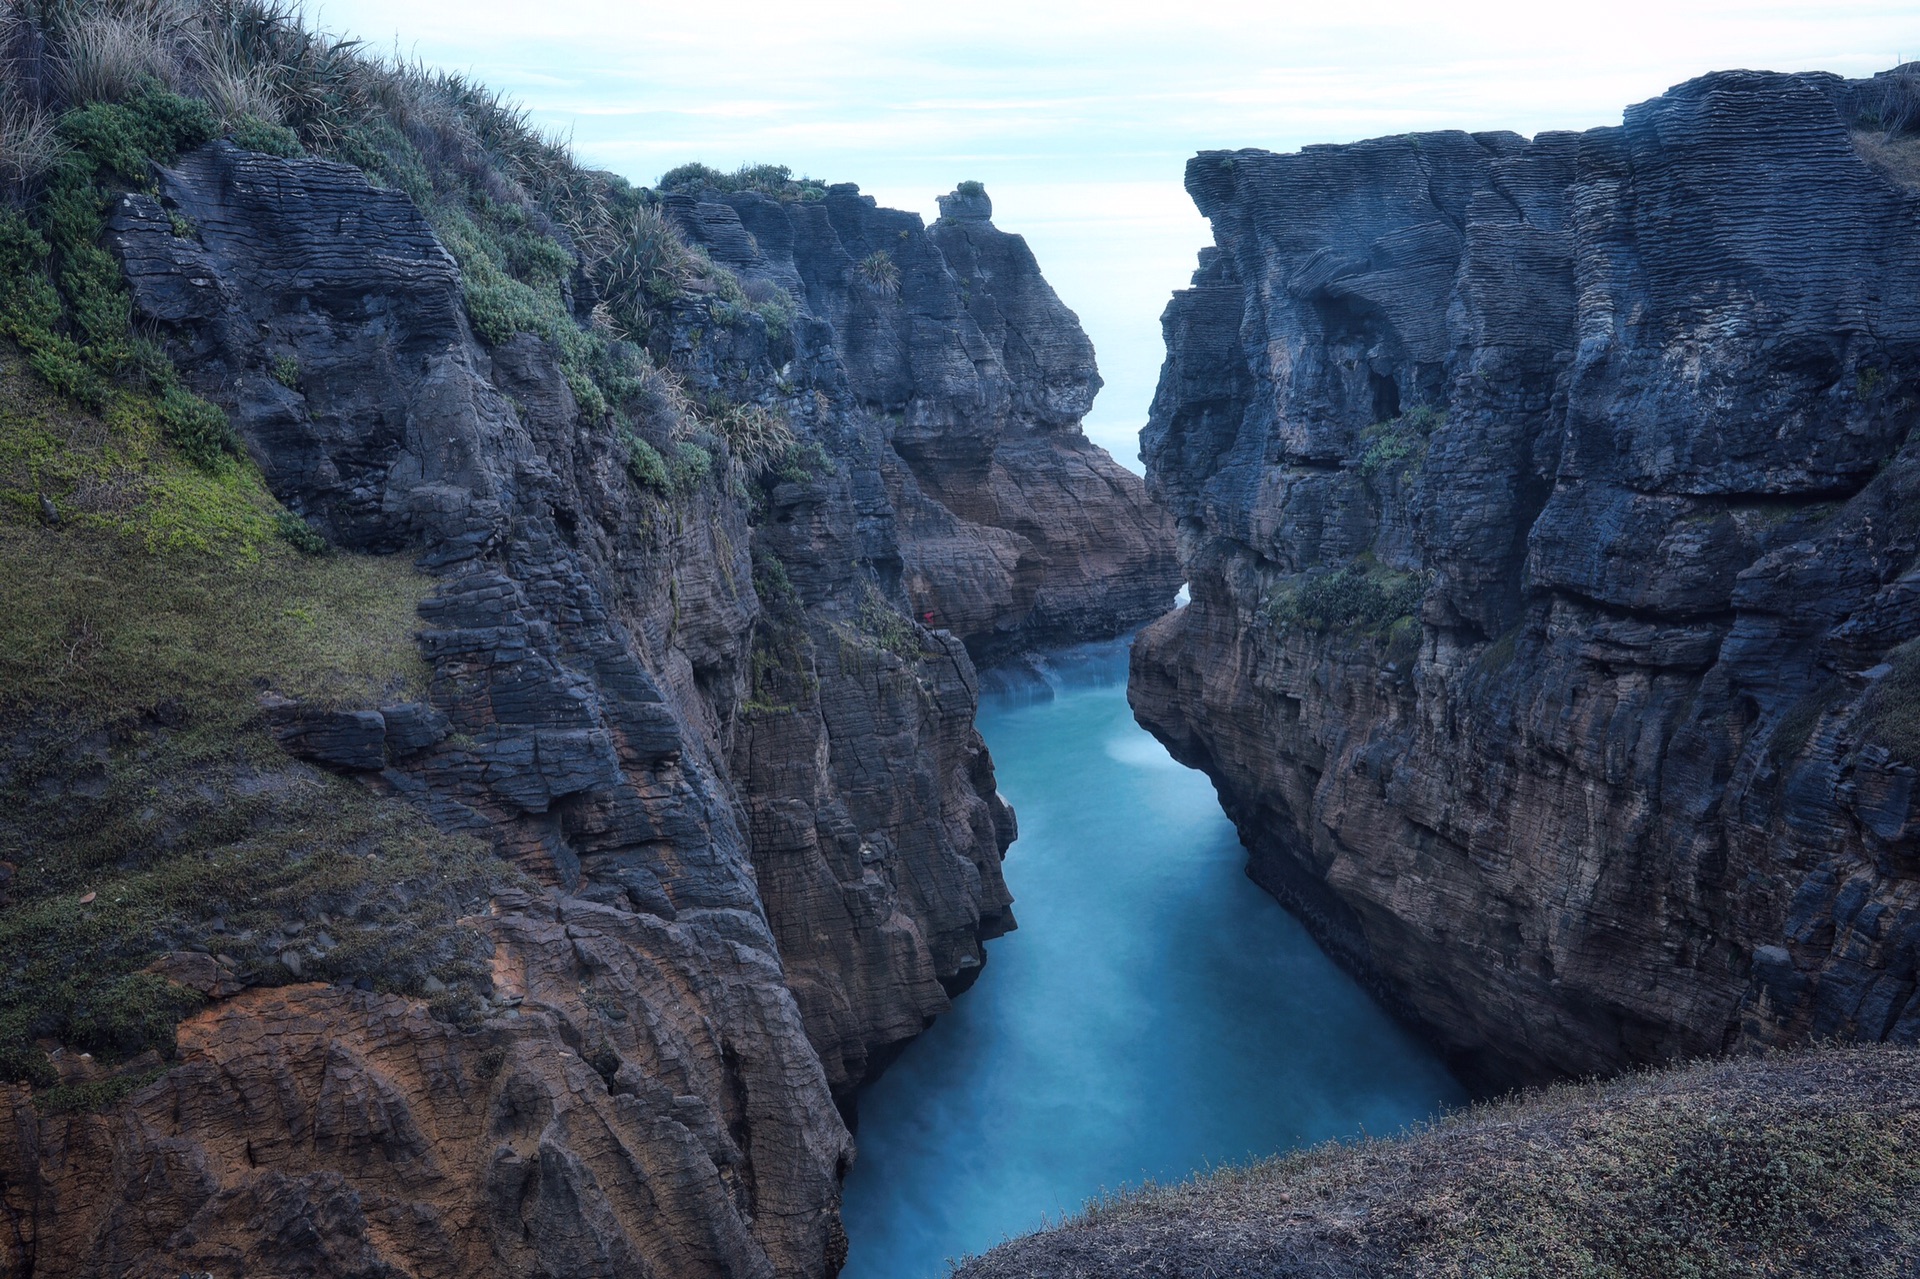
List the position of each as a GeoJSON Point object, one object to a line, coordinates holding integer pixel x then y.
{"type": "Point", "coordinates": [1014, 531]}
{"type": "Point", "coordinates": [1551, 510]}
{"type": "Point", "coordinates": [762, 836]}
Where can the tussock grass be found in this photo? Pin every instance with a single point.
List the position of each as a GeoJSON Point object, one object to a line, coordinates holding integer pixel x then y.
{"type": "Point", "coordinates": [878, 274]}
{"type": "Point", "coordinates": [108, 57]}
{"type": "Point", "coordinates": [1803, 1163]}
{"type": "Point", "coordinates": [29, 146]}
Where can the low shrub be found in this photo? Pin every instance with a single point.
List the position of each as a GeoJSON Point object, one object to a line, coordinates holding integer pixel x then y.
{"type": "Point", "coordinates": [804, 462]}
{"type": "Point", "coordinates": [299, 534]}
{"type": "Point", "coordinates": [774, 180]}
{"type": "Point", "coordinates": [254, 134]}
{"type": "Point", "coordinates": [592, 401]}
{"type": "Point", "coordinates": [774, 305]}
{"type": "Point", "coordinates": [645, 465]}
{"type": "Point", "coordinates": [119, 139]}
{"type": "Point", "coordinates": [689, 467]}
{"type": "Point", "coordinates": [200, 430]}
{"type": "Point", "coordinates": [1405, 436]}
{"type": "Point", "coordinates": [1357, 595]}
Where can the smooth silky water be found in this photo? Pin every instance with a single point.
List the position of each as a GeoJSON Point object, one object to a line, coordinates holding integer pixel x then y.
{"type": "Point", "coordinates": [1155, 1014]}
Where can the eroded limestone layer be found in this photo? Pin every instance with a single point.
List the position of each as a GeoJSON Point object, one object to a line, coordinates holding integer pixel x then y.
{"type": "Point", "coordinates": [1551, 514]}
{"type": "Point", "coordinates": [708, 725]}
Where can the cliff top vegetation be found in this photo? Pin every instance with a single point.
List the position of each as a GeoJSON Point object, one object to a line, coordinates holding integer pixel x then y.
{"type": "Point", "coordinates": [1802, 1163]}
{"type": "Point", "coordinates": [155, 590]}
{"type": "Point", "coordinates": [95, 91]}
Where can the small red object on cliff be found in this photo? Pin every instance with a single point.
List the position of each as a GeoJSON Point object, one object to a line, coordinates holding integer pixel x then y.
{"type": "Point", "coordinates": [88, 898]}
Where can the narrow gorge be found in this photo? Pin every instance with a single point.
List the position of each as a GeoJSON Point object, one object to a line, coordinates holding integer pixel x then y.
{"type": "Point", "coordinates": [498, 667]}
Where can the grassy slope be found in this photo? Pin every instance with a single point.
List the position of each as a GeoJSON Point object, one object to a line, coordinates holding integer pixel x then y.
{"type": "Point", "coordinates": [137, 636]}
{"type": "Point", "coordinates": [1803, 1163]}
{"type": "Point", "coordinates": [154, 590]}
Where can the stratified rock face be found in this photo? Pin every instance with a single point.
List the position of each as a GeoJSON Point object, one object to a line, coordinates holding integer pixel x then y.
{"type": "Point", "coordinates": [644, 1112]}
{"type": "Point", "coordinates": [767, 834]}
{"type": "Point", "coordinates": [1551, 512]}
{"type": "Point", "coordinates": [1013, 530]}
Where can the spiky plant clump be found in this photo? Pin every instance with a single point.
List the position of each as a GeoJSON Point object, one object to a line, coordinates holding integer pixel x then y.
{"type": "Point", "coordinates": [878, 274]}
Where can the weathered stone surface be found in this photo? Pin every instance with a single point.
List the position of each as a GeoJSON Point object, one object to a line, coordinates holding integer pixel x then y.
{"type": "Point", "coordinates": [635, 1108]}
{"type": "Point", "coordinates": [1611, 791]}
{"type": "Point", "coordinates": [1012, 529]}
{"type": "Point", "coordinates": [744, 900]}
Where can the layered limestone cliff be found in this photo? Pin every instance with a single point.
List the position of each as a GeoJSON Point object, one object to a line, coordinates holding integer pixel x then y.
{"type": "Point", "coordinates": [722, 727]}
{"type": "Point", "coordinates": [1013, 530]}
{"type": "Point", "coordinates": [1551, 510]}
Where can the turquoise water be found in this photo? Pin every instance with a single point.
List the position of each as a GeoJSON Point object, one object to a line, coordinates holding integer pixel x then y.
{"type": "Point", "coordinates": [1155, 1013]}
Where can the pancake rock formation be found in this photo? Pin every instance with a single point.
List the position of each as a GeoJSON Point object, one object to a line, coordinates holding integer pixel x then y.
{"type": "Point", "coordinates": [1551, 510]}
{"type": "Point", "coordinates": [726, 737]}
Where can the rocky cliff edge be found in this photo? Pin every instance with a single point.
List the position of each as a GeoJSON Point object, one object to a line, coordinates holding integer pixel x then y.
{"type": "Point", "coordinates": [1550, 511]}
{"type": "Point", "coordinates": [698, 676]}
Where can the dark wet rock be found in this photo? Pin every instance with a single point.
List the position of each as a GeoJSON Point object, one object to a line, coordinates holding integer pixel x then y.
{"type": "Point", "coordinates": [347, 740]}
{"type": "Point", "coordinates": [1578, 760]}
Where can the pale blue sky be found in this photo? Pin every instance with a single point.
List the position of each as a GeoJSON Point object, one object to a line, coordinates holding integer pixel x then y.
{"type": "Point", "coordinates": [1079, 117]}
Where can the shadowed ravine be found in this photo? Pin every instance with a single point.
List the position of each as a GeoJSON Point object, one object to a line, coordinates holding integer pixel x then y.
{"type": "Point", "coordinates": [1155, 1014]}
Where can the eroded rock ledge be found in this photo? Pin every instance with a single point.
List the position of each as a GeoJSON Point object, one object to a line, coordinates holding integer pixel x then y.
{"type": "Point", "coordinates": [1551, 510]}
{"type": "Point", "coordinates": [709, 726]}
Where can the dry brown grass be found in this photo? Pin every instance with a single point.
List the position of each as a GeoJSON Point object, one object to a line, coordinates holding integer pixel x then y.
{"type": "Point", "coordinates": [1895, 154]}
{"type": "Point", "coordinates": [238, 92]}
{"type": "Point", "coordinates": [106, 59]}
{"type": "Point", "coordinates": [1803, 1163]}
{"type": "Point", "coordinates": [28, 147]}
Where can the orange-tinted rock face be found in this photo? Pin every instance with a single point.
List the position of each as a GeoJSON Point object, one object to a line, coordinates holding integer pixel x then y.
{"type": "Point", "coordinates": [646, 1106]}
